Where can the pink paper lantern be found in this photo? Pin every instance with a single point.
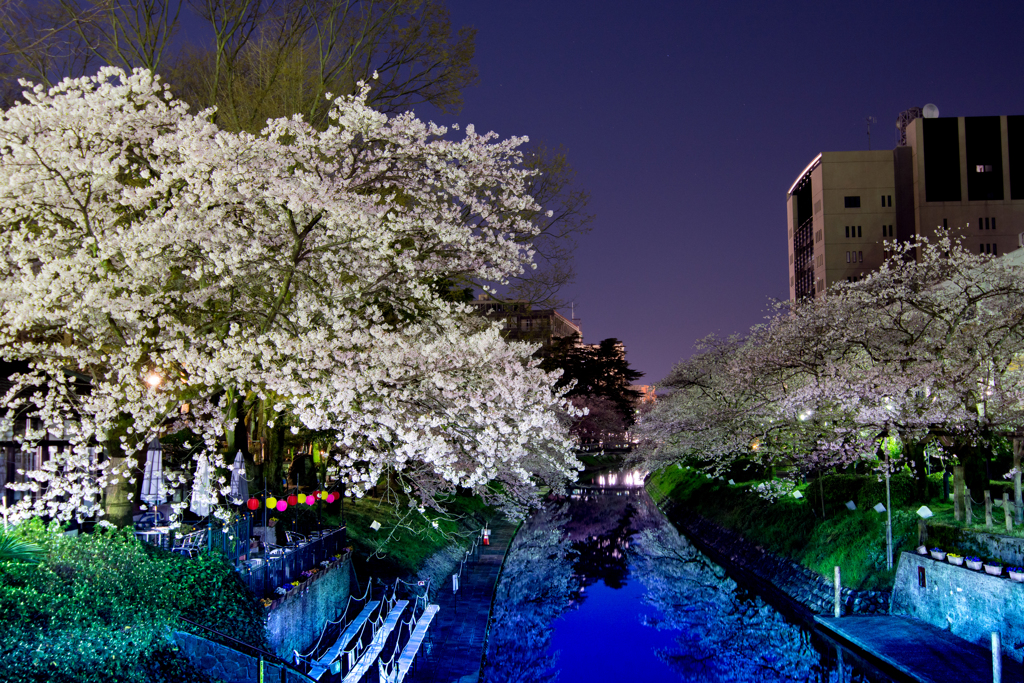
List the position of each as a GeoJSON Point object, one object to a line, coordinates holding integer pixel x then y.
{"type": "Point", "coordinates": [310, 500]}
{"type": "Point", "coordinates": [330, 497]}
{"type": "Point", "coordinates": [282, 506]}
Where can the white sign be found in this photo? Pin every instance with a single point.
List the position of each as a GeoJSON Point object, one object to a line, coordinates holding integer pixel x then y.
{"type": "Point", "coordinates": [924, 512]}
{"type": "Point", "coordinates": [732, 483]}
{"type": "Point", "coordinates": [850, 505]}
{"type": "Point", "coordinates": [879, 508]}
{"type": "Point", "coordinates": [375, 525]}
{"type": "Point", "coordinates": [487, 532]}
{"type": "Point", "coordinates": [797, 494]}
{"type": "Point", "coordinates": [455, 583]}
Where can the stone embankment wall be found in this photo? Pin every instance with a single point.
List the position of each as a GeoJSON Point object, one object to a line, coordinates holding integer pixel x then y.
{"type": "Point", "coordinates": [969, 604]}
{"type": "Point", "coordinates": [776, 576]}
{"type": "Point", "coordinates": [229, 665]}
{"type": "Point", "coordinates": [296, 621]}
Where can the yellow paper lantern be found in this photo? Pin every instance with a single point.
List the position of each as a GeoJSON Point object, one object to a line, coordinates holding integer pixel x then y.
{"type": "Point", "coordinates": [271, 503]}
{"type": "Point", "coordinates": [302, 498]}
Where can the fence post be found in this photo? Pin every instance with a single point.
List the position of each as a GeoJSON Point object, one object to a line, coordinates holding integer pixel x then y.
{"type": "Point", "coordinates": [838, 596]}
{"type": "Point", "coordinates": [997, 658]}
{"type": "Point", "coordinates": [988, 509]}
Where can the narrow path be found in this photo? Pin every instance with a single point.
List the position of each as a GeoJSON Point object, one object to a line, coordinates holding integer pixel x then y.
{"type": "Point", "coordinates": [454, 647]}
{"type": "Point", "coordinates": [919, 650]}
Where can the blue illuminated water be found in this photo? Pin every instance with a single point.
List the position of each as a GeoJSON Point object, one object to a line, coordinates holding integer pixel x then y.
{"type": "Point", "coordinates": [599, 586]}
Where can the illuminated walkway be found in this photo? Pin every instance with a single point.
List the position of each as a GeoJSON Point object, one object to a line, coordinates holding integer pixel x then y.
{"type": "Point", "coordinates": [454, 649]}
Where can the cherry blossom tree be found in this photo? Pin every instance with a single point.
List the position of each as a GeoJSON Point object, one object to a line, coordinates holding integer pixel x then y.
{"type": "Point", "coordinates": [926, 349]}
{"type": "Point", "coordinates": [171, 263]}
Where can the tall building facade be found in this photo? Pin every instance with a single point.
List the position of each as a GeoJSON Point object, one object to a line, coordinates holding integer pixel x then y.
{"type": "Point", "coordinates": [963, 173]}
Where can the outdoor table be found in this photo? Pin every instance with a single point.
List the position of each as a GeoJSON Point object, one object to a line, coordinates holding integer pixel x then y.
{"type": "Point", "coordinates": [157, 536]}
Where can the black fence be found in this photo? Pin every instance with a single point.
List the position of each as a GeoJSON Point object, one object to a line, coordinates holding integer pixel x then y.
{"type": "Point", "coordinates": [279, 567]}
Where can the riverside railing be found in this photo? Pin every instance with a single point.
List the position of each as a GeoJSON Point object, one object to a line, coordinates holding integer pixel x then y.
{"type": "Point", "coordinates": [280, 566]}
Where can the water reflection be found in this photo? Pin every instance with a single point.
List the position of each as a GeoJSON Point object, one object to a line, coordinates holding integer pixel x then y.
{"type": "Point", "coordinates": [602, 576]}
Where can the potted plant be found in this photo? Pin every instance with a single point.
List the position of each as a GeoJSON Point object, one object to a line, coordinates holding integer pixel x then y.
{"type": "Point", "coordinates": [953, 558]}
{"type": "Point", "coordinates": [994, 568]}
{"type": "Point", "coordinates": [937, 554]}
{"type": "Point", "coordinates": [922, 550]}
{"type": "Point", "coordinates": [973, 563]}
{"type": "Point", "coordinates": [1016, 574]}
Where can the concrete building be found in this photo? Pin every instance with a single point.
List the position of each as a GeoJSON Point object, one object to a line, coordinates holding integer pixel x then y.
{"type": "Point", "coordinates": [963, 173]}
{"type": "Point", "coordinates": [523, 323]}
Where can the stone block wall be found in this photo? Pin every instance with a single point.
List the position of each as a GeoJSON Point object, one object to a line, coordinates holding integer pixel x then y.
{"type": "Point", "coordinates": [772, 574]}
{"type": "Point", "coordinates": [230, 665]}
{"type": "Point", "coordinates": [294, 623]}
{"type": "Point", "coordinates": [970, 604]}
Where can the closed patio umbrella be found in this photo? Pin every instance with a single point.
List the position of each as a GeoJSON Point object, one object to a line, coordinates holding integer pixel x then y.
{"type": "Point", "coordinates": [201, 489]}
{"type": "Point", "coordinates": [239, 484]}
{"type": "Point", "coordinates": [153, 477]}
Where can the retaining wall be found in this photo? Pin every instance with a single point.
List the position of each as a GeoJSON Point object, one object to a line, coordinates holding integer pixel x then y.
{"type": "Point", "coordinates": [969, 604]}
{"type": "Point", "coordinates": [806, 591]}
{"type": "Point", "coordinates": [295, 621]}
{"type": "Point", "coordinates": [229, 665]}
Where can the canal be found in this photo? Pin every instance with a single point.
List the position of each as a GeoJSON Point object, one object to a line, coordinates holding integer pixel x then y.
{"type": "Point", "coordinates": [599, 586]}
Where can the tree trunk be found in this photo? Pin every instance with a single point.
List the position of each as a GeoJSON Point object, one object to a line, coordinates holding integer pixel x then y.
{"type": "Point", "coordinates": [1018, 448]}
{"type": "Point", "coordinates": [116, 504]}
{"type": "Point", "coordinates": [916, 454]}
{"type": "Point", "coordinates": [958, 491]}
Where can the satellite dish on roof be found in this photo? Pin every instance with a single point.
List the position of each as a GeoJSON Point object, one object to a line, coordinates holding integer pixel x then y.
{"type": "Point", "coordinates": [930, 111]}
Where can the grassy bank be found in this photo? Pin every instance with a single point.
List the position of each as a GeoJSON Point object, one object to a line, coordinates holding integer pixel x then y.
{"type": "Point", "coordinates": [853, 540]}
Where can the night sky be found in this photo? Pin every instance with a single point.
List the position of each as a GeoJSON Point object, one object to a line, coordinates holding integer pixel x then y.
{"type": "Point", "coordinates": [687, 122]}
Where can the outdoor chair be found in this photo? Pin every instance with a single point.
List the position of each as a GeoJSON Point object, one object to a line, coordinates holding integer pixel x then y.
{"type": "Point", "coordinates": [293, 538]}
{"type": "Point", "coordinates": [189, 545]}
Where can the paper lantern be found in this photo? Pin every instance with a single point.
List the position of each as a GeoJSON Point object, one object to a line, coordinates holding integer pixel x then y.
{"type": "Point", "coordinates": [310, 500]}
{"type": "Point", "coordinates": [252, 504]}
{"type": "Point", "coordinates": [323, 495]}
{"type": "Point", "coordinates": [330, 497]}
{"type": "Point", "coordinates": [316, 494]}
{"type": "Point", "coordinates": [302, 498]}
{"type": "Point", "coordinates": [292, 499]}
{"type": "Point", "coordinates": [271, 503]}
{"type": "Point", "coordinates": [281, 506]}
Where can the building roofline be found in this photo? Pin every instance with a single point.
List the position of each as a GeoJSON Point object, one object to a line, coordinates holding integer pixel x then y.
{"type": "Point", "coordinates": [810, 167]}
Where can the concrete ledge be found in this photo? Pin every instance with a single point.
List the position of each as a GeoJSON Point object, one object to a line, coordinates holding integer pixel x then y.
{"type": "Point", "coordinates": [967, 603]}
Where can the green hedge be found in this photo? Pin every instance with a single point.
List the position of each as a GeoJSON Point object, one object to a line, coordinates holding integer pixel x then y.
{"type": "Point", "coordinates": [102, 607]}
{"type": "Point", "coordinates": [838, 489]}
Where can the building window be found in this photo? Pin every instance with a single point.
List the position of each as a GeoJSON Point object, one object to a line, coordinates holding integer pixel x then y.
{"type": "Point", "coordinates": [993, 222]}
{"type": "Point", "coordinates": [979, 168]}
{"type": "Point", "coordinates": [890, 200]}
{"type": "Point", "coordinates": [883, 200]}
{"type": "Point", "coordinates": [851, 202]}
{"type": "Point", "coordinates": [860, 255]}
{"type": "Point", "coordinates": [859, 232]}
{"type": "Point", "coordinates": [945, 223]}
{"type": "Point", "coordinates": [847, 230]}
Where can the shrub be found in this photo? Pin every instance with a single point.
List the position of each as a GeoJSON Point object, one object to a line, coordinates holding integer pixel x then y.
{"type": "Point", "coordinates": [101, 607]}
{"type": "Point", "coordinates": [902, 491]}
{"type": "Point", "coordinates": [838, 489]}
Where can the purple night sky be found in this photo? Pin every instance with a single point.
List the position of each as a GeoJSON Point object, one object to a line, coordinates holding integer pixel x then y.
{"type": "Point", "coordinates": [687, 122]}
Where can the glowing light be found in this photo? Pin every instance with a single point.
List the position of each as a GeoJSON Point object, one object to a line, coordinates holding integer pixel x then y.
{"type": "Point", "coordinates": [154, 380]}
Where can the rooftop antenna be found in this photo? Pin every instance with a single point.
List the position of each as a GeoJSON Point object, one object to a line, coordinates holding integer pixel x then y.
{"type": "Point", "coordinates": [869, 120]}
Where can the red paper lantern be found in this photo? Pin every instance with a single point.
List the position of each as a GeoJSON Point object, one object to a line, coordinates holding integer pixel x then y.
{"type": "Point", "coordinates": [316, 494]}
{"type": "Point", "coordinates": [293, 499]}
{"type": "Point", "coordinates": [252, 504]}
